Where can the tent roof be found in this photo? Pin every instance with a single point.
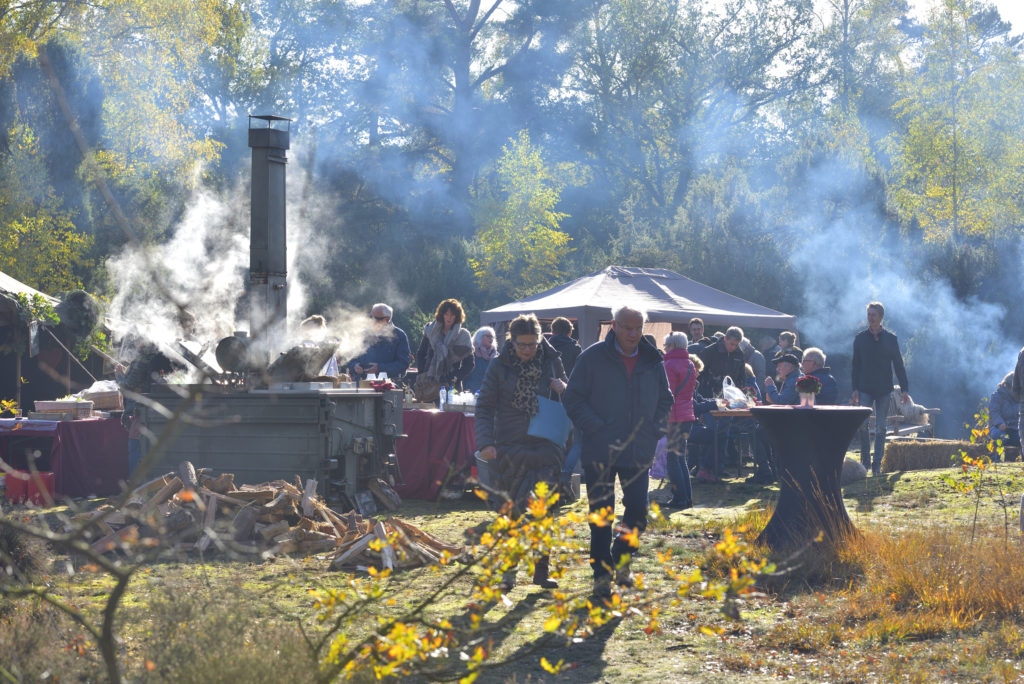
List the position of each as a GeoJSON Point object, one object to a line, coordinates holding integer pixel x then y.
{"type": "Point", "coordinates": [665, 295]}
{"type": "Point", "coordinates": [11, 287]}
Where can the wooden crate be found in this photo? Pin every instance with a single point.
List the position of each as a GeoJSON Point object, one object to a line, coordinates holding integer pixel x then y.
{"type": "Point", "coordinates": [108, 401]}
{"type": "Point", "coordinates": [80, 409]}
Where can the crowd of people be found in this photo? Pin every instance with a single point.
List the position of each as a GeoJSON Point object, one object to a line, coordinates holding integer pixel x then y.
{"type": "Point", "coordinates": [622, 394]}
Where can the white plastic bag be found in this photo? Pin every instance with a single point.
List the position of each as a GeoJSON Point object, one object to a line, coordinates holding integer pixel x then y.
{"type": "Point", "coordinates": [733, 395]}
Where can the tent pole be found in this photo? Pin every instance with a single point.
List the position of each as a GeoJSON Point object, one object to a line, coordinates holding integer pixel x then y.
{"type": "Point", "coordinates": [17, 379]}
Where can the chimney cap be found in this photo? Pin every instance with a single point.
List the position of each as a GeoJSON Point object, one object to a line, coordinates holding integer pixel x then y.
{"type": "Point", "coordinates": [270, 119]}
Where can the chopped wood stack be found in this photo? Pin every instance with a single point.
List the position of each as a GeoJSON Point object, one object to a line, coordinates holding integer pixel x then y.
{"type": "Point", "coordinates": [195, 511]}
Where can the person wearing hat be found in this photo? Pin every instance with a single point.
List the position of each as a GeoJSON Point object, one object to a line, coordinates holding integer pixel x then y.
{"type": "Point", "coordinates": [786, 365]}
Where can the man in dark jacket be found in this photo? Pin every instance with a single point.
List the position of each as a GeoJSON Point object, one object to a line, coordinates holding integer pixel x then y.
{"type": "Point", "coordinates": [876, 355]}
{"type": "Point", "coordinates": [722, 358]}
{"type": "Point", "coordinates": [1004, 414]}
{"type": "Point", "coordinates": [618, 398]}
{"type": "Point", "coordinates": [561, 339]}
{"type": "Point", "coordinates": [388, 351]}
{"type": "Point", "coordinates": [1017, 387]}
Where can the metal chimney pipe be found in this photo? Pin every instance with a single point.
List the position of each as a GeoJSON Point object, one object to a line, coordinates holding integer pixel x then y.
{"type": "Point", "coordinates": [268, 291]}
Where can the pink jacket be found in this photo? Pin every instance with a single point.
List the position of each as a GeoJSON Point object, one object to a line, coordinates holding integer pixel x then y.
{"type": "Point", "coordinates": [677, 363]}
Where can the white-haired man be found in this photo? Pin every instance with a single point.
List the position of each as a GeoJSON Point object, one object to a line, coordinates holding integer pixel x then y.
{"type": "Point", "coordinates": [388, 351]}
{"type": "Point", "coordinates": [618, 398]}
{"type": "Point", "coordinates": [813, 363]}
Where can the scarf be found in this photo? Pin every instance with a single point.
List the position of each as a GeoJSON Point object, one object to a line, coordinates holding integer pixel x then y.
{"type": "Point", "coordinates": [487, 353]}
{"type": "Point", "coordinates": [448, 349]}
{"type": "Point", "coordinates": [527, 374]}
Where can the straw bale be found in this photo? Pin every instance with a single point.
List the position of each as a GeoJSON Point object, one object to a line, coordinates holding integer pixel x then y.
{"type": "Point", "coordinates": [926, 454]}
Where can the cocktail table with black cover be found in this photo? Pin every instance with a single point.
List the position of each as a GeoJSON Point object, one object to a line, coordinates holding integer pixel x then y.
{"type": "Point", "coordinates": [810, 447]}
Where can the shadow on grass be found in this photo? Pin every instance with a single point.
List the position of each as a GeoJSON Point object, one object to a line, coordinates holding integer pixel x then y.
{"type": "Point", "coordinates": [583, 662]}
{"type": "Point", "coordinates": [866, 491]}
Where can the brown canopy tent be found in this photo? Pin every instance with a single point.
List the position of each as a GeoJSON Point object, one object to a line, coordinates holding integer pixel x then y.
{"type": "Point", "coordinates": [666, 297]}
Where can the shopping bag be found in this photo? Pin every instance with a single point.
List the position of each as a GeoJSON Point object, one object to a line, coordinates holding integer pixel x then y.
{"type": "Point", "coordinates": [659, 469]}
{"type": "Point", "coordinates": [551, 422]}
{"type": "Point", "coordinates": [733, 395]}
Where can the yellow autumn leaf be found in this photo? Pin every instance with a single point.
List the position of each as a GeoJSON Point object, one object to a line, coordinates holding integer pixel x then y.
{"type": "Point", "coordinates": [552, 623]}
{"type": "Point", "coordinates": [548, 667]}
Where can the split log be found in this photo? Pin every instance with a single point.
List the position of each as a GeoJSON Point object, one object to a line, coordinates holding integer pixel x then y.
{"type": "Point", "coordinates": [385, 494]}
{"type": "Point", "coordinates": [112, 541]}
{"type": "Point", "coordinates": [243, 524]}
{"type": "Point", "coordinates": [307, 497]}
{"type": "Point", "coordinates": [187, 473]}
{"type": "Point", "coordinates": [208, 521]}
{"type": "Point", "coordinates": [268, 532]}
{"type": "Point", "coordinates": [165, 493]}
{"type": "Point", "coordinates": [387, 555]}
{"type": "Point", "coordinates": [222, 484]}
{"type": "Point", "coordinates": [353, 550]}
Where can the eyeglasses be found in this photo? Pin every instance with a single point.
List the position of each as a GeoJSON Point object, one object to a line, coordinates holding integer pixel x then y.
{"type": "Point", "coordinates": [527, 345]}
{"type": "Point", "coordinates": [380, 318]}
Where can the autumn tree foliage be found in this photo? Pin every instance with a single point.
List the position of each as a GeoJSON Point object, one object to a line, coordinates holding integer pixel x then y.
{"type": "Point", "coordinates": [519, 242]}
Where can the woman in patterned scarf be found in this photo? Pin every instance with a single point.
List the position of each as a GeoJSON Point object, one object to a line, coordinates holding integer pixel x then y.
{"type": "Point", "coordinates": [526, 367]}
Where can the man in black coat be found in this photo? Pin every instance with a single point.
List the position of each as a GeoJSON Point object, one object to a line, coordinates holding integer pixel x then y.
{"type": "Point", "coordinates": [618, 398]}
{"type": "Point", "coordinates": [561, 339]}
{"type": "Point", "coordinates": [1017, 387]}
{"type": "Point", "coordinates": [876, 355]}
{"type": "Point", "coordinates": [722, 358]}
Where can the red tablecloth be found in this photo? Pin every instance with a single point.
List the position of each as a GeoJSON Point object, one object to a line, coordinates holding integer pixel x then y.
{"type": "Point", "coordinates": [87, 457]}
{"type": "Point", "coordinates": [439, 445]}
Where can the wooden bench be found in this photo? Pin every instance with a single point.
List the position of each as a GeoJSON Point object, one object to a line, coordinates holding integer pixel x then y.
{"type": "Point", "coordinates": [897, 427]}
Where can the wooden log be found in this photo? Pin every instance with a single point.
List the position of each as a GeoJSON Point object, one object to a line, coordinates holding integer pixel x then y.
{"type": "Point", "coordinates": [222, 484]}
{"type": "Point", "coordinates": [243, 524]}
{"type": "Point", "coordinates": [224, 498]}
{"type": "Point", "coordinates": [156, 484]}
{"type": "Point", "coordinates": [209, 519]}
{"type": "Point", "coordinates": [187, 473]}
{"type": "Point", "coordinates": [353, 550]}
{"type": "Point", "coordinates": [385, 494]}
{"type": "Point", "coordinates": [387, 554]}
{"type": "Point", "coordinates": [165, 493]}
{"type": "Point", "coordinates": [308, 497]}
{"type": "Point", "coordinates": [111, 541]}
{"type": "Point", "coordinates": [178, 519]}
{"type": "Point", "coordinates": [425, 538]}
{"type": "Point", "coordinates": [268, 532]}
{"type": "Point", "coordinates": [317, 546]}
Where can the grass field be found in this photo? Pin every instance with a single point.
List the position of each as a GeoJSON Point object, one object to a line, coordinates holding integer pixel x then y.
{"type": "Point", "coordinates": [915, 598]}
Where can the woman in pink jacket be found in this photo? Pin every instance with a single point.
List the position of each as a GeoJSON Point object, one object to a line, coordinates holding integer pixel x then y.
{"type": "Point", "coordinates": [682, 381]}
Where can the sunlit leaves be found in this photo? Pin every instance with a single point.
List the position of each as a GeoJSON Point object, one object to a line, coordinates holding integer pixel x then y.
{"type": "Point", "coordinates": [521, 249]}
{"type": "Point", "coordinates": [958, 163]}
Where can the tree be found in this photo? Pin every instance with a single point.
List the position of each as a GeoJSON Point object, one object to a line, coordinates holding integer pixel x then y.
{"type": "Point", "coordinates": [957, 167]}
{"type": "Point", "coordinates": [520, 246]}
{"type": "Point", "coordinates": [39, 244]}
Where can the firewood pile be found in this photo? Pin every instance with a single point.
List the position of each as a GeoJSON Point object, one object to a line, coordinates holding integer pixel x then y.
{"type": "Point", "coordinates": [199, 512]}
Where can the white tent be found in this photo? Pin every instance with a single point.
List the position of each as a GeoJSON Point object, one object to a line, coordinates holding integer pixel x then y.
{"type": "Point", "coordinates": [666, 297]}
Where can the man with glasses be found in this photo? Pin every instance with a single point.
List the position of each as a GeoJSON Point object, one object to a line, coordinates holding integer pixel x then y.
{"type": "Point", "coordinates": [388, 351]}
{"type": "Point", "coordinates": [618, 398]}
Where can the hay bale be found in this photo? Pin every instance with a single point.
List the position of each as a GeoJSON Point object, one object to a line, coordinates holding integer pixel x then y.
{"type": "Point", "coordinates": [926, 454]}
{"type": "Point", "coordinates": [852, 471]}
